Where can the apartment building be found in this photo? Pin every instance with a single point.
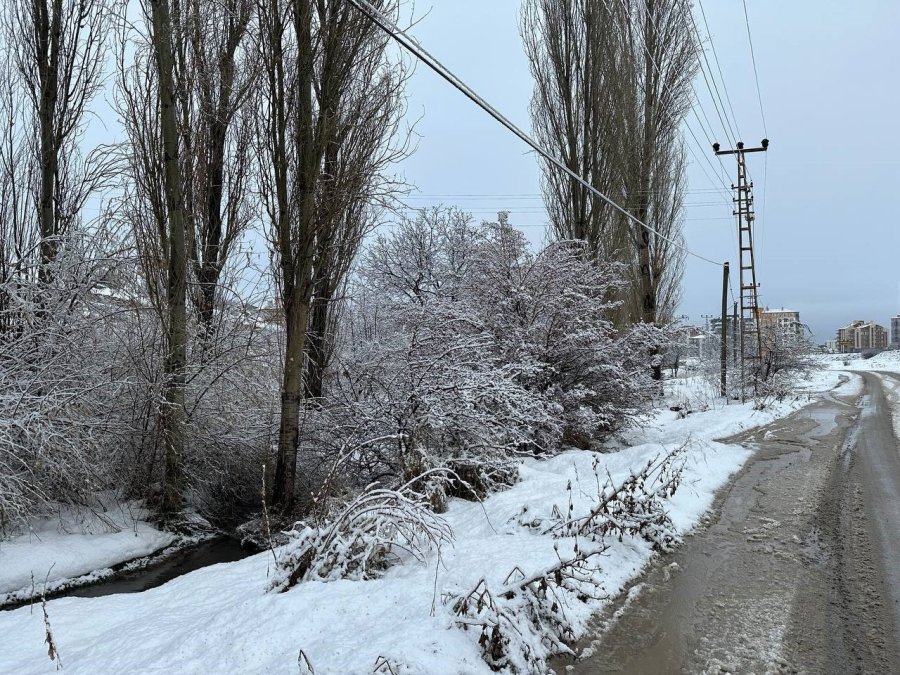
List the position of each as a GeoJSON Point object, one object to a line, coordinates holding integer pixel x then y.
{"type": "Point", "coordinates": [782, 323]}
{"type": "Point", "coordinates": [895, 332]}
{"type": "Point", "coordinates": [859, 336]}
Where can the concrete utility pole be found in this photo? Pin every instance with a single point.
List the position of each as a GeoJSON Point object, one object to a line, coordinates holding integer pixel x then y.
{"type": "Point", "coordinates": [734, 335]}
{"type": "Point", "coordinates": [723, 356]}
{"type": "Point", "coordinates": [747, 270]}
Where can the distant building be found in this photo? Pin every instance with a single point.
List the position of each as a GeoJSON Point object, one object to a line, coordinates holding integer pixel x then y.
{"type": "Point", "coordinates": [692, 339]}
{"type": "Point", "coordinates": [895, 332]}
{"type": "Point", "coordinates": [782, 323]}
{"type": "Point", "coordinates": [715, 326]}
{"type": "Point", "coordinates": [859, 336]}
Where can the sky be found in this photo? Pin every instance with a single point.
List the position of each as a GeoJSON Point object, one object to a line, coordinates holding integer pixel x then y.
{"type": "Point", "coordinates": [827, 243]}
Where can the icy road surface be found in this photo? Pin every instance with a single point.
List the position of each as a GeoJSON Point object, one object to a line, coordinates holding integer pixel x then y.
{"type": "Point", "coordinates": [798, 569]}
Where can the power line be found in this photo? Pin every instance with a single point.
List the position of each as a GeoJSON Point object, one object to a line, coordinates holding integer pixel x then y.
{"type": "Point", "coordinates": [714, 89]}
{"type": "Point", "coordinates": [695, 103]}
{"type": "Point", "coordinates": [712, 46]}
{"type": "Point", "coordinates": [717, 95]}
{"type": "Point", "coordinates": [755, 71]}
{"type": "Point", "coordinates": [529, 202]}
{"type": "Point", "coordinates": [411, 45]}
{"type": "Point", "coordinates": [700, 192]}
{"type": "Point", "coordinates": [694, 107]}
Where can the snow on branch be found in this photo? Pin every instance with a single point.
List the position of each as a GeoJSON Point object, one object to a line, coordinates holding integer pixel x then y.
{"type": "Point", "coordinates": [634, 506]}
{"type": "Point", "coordinates": [522, 623]}
{"type": "Point", "coordinates": [369, 535]}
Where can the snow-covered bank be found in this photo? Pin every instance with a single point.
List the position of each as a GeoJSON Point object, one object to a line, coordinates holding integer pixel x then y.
{"type": "Point", "coordinates": [219, 619]}
{"type": "Point", "coordinates": [74, 545]}
{"type": "Point", "coordinates": [888, 361]}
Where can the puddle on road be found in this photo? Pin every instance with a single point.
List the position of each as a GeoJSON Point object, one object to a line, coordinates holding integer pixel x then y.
{"type": "Point", "coordinates": [826, 422]}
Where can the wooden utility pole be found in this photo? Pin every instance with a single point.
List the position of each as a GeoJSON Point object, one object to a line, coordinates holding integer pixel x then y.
{"type": "Point", "coordinates": [723, 354]}
{"type": "Point", "coordinates": [747, 270]}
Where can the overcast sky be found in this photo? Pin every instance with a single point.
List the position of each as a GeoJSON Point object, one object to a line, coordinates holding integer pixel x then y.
{"type": "Point", "coordinates": [827, 240]}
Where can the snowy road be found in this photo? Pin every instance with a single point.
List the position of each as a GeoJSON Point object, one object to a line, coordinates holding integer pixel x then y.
{"type": "Point", "coordinates": [796, 570]}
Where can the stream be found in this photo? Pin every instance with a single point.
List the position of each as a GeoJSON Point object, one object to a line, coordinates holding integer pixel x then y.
{"type": "Point", "coordinates": [156, 572]}
{"type": "Point", "coordinates": [210, 552]}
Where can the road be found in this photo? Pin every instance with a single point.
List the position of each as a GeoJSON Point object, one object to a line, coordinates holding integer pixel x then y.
{"type": "Point", "coordinates": [797, 568]}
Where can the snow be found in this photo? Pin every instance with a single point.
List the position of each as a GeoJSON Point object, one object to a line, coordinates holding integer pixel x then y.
{"type": "Point", "coordinates": [888, 361]}
{"type": "Point", "coordinates": [76, 544]}
{"type": "Point", "coordinates": [220, 619]}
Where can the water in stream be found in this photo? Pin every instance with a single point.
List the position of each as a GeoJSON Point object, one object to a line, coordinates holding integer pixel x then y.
{"type": "Point", "coordinates": [210, 552]}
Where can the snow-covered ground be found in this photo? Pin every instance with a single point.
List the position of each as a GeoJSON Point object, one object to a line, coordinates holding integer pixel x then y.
{"type": "Point", "coordinates": [57, 550]}
{"type": "Point", "coordinates": [888, 361]}
{"type": "Point", "coordinates": [220, 619]}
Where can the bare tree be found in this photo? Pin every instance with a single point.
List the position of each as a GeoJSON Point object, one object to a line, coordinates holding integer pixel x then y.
{"type": "Point", "coordinates": [141, 204]}
{"type": "Point", "coordinates": [665, 57]}
{"type": "Point", "coordinates": [354, 189]}
{"type": "Point", "coordinates": [315, 55]}
{"type": "Point", "coordinates": [58, 50]}
{"type": "Point", "coordinates": [583, 70]}
{"type": "Point", "coordinates": [174, 415]}
{"type": "Point", "coordinates": [19, 236]}
{"type": "Point", "coordinates": [612, 82]}
{"type": "Point", "coordinates": [214, 76]}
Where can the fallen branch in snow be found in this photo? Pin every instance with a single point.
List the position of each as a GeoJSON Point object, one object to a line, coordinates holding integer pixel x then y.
{"type": "Point", "coordinates": [635, 506]}
{"type": "Point", "coordinates": [365, 538]}
{"type": "Point", "coordinates": [52, 650]}
{"type": "Point", "coordinates": [386, 666]}
{"type": "Point", "coordinates": [522, 623]}
{"type": "Point", "coordinates": [304, 665]}
{"type": "Point", "coordinates": [267, 527]}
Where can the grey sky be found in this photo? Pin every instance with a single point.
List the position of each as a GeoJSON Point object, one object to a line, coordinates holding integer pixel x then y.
{"type": "Point", "coordinates": [827, 240]}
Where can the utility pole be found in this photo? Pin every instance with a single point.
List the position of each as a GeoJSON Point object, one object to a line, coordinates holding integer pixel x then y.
{"type": "Point", "coordinates": [706, 332]}
{"type": "Point", "coordinates": [723, 354]}
{"type": "Point", "coordinates": [747, 270]}
{"type": "Point", "coordinates": [734, 335]}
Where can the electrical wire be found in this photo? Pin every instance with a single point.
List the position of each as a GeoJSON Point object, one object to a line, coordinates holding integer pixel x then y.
{"type": "Point", "coordinates": [526, 195]}
{"type": "Point", "coordinates": [755, 71]}
{"type": "Point", "coordinates": [695, 103]}
{"type": "Point", "coordinates": [413, 47]}
{"type": "Point", "coordinates": [711, 87]}
{"type": "Point", "coordinates": [712, 46]}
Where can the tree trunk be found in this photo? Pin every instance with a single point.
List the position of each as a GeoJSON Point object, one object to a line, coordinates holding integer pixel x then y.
{"type": "Point", "coordinates": [296, 259]}
{"type": "Point", "coordinates": [48, 35]}
{"type": "Point", "coordinates": [211, 265]}
{"type": "Point", "coordinates": [174, 416]}
{"type": "Point", "coordinates": [289, 428]}
{"type": "Point", "coordinates": [319, 347]}
{"type": "Point", "coordinates": [648, 289]}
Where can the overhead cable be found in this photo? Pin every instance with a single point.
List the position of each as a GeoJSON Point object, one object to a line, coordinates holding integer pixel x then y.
{"type": "Point", "coordinates": [411, 45]}
{"type": "Point", "coordinates": [755, 71]}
